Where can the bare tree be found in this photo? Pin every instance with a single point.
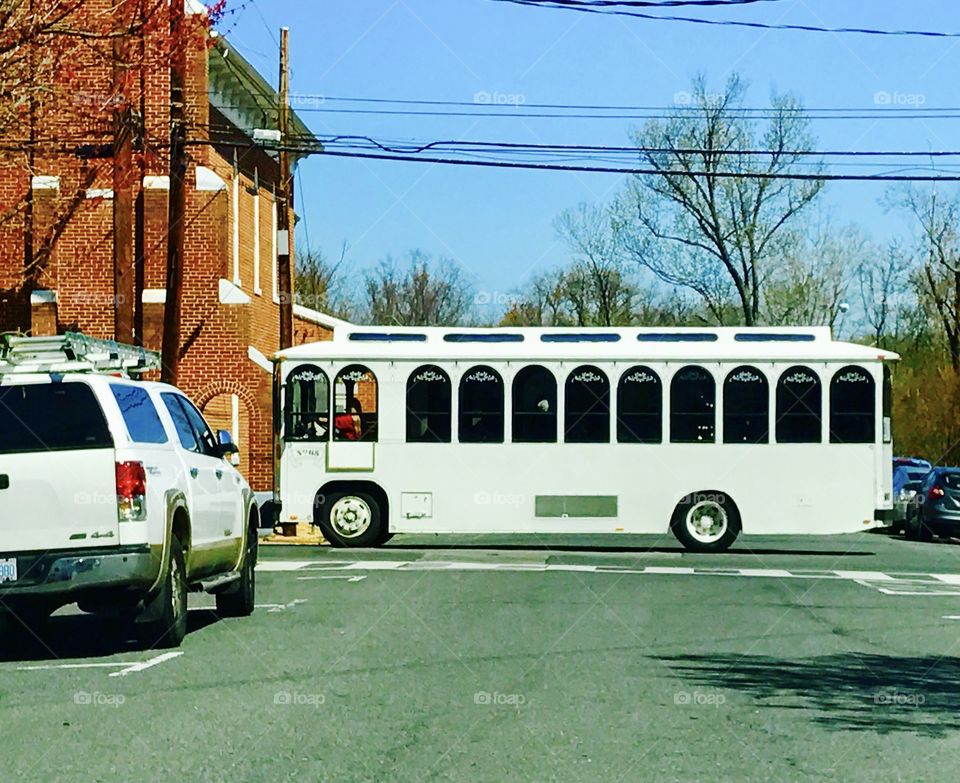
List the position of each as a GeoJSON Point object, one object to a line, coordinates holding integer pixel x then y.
{"type": "Point", "coordinates": [884, 284]}
{"type": "Point", "coordinates": [938, 252]}
{"type": "Point", "coordinates": [810, 280]}
{"type": "Point", "coordinates": [423, 293]}
{"type": "Point", "coordinates": [714, 215]}
{"type": "Point", "coordinates": [598, 286]}
{"type": "Point", "coordinates": [321, 283]}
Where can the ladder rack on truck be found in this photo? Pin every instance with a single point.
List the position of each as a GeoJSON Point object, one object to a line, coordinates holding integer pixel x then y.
{"type": "Point", "coordinates": [73, 353]}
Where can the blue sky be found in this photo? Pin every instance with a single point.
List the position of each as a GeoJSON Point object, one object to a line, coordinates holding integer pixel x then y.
{"type": "Point", "coordinates": [498, 223]}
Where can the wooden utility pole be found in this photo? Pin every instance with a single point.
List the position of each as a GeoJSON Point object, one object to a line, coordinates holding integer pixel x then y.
{"type": "Point", "coordinates": [284, 200]}
{"type": "Point", "coordinates": [123, 273]}
{"type": "Point", "coordinates": [178, 196]}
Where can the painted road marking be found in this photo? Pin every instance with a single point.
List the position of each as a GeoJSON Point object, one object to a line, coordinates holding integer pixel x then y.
{"type": "Point", "coordinates": [888, 584]}
{"type": "Point", "coordinates": [357, 578]}
{"type": "Point", "coordinates": [139, 667]}
{"type": "Point", "coordinates": [126, 667]}
{"type": "Point", "coordinates": [271, 608]}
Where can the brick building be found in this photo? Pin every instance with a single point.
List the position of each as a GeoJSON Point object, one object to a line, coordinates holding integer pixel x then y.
{"type": "Point", "coordinates": [56, 255]}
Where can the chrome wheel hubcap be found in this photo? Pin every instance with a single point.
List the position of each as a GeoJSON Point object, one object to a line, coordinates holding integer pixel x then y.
{"type": "Point", "coordinates": [176, 588]}
{"type": "Point", "coordinates": [707, 521]}
{"type": "Point", "coordinates": [350, 517]}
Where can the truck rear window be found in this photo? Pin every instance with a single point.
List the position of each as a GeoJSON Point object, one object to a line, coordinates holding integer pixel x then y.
{"type": "Point", "coordinates": [51, 417]}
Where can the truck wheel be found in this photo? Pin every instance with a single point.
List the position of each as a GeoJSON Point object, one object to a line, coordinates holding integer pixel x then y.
{"type": "Point", "coordinates": [350, 519]}
{"type": "Point", "coordinates": [238, 600]}
{"type": "Point", "coordinates": [706, 522]}
{"type": "Point", "coordinates": [163, 623]}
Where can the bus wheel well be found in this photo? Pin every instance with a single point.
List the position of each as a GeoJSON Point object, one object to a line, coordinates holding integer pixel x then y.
{"type": "Point", "coordinates": [364, 487]}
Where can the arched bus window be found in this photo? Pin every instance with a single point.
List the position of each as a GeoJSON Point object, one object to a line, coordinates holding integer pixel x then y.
{"type": "Point", "coordinates": [692, 406]}
{"type": "Point", "coordinates": [307, 413]}
{"type": "Point", "coordinates": [799, 406]}
{"type": "Point", "coordinates": [640, 406]}
{"type": "Point", "coordinates": [746, 406]}
{"type": "Point", "coordinates": [428, 405]}
{"type": "Point", "coordinates": [355, 398]}
{"type": "Point", "coordinates": [535, 406]}
{"type": "Point", "coordinates": [587, 406]}
{"type": "Point", "coordinates": [481, 406]}
{"type": "Point", "coordinates": [852, 406]}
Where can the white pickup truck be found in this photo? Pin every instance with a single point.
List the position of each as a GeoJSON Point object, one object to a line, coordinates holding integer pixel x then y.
{"type": "Point", "coordinates": [115, 494]}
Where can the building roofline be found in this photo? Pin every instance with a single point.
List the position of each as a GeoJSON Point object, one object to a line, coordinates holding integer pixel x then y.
{"type": "Point", "coordinates": [322, 319]}
{"type": "Point", "coordinates": [240, 93]}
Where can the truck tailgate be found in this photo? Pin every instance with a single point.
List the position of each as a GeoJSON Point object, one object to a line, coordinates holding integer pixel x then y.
{"type": "Point", "coordinates": [59, 500]}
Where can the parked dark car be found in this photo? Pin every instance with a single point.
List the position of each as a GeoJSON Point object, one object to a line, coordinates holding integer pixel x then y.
{"type": "Point", "coordinates": [936, 506]}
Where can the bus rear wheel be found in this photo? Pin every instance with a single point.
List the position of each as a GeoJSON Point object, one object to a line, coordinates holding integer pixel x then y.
{"type": "Point", "coordinates": [706, 522]}
{"type": "Point", "coordinates": [351, 519]}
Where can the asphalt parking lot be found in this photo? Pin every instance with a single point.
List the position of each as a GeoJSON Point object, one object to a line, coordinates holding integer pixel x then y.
{"type": "Point", "coordinates": [481, 659]}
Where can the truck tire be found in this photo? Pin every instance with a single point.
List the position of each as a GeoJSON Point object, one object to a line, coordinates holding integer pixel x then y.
{"type": "Point", "coordinates": [163, 622]}
{"type": "Point", "coordinates": [238, 600]}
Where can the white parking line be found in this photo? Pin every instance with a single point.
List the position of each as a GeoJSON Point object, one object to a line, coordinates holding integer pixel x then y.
{"type": "Point", "coordinates": [139, 667]}
{"type": "Point", "coordinates": [126, 667]}
{"type": "Point", "coordinates": [357, 578]}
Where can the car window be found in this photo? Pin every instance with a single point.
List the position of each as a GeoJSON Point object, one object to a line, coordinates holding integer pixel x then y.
{"type": "Point", "coordinates": [181, 423]}
{"type": "Point", "coordinates": [952, 480]}
{"type": "Point", "coordinates": [139, 414]}
{"type": "Point", "coordinates": [51, 417]}
{"type": "Point", "coordinates": [208, 441]}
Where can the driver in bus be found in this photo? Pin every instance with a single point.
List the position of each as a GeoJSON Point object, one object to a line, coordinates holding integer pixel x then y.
{"type": "Point", "coordinates": [349, 425]}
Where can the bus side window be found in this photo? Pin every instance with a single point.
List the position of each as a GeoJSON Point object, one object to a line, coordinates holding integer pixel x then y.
{"type": "Point", "coordinates": [852, 406]}
{"type": "Point", "coordinates": [534, 406]}
{"type": "Point", "coordinates": [307, 404]}
{"type": "Point", "coordinates": [586, 417]}
{"type": "Point", "coordinates": [640, 406]}
{"type": "Point", "coordinates": [746, 406]}
{"type": "Point", "coordinates": [428, 405]}
{"type": "Point", "coordinates": [355, 398]}
{"type": "Point", "coordinates": [799, 406]}
{"type": "Point", "coordinates": [481, 406]}
{"type": "Point", "coordinates": [692, 406]}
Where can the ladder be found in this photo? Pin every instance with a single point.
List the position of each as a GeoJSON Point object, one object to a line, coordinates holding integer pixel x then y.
{"type": "Point", "coordinates": [73, 352]}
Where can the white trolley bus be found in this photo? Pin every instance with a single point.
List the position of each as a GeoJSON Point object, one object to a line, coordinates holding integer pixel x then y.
{"type": "Point", "coordinates": [703, 433]}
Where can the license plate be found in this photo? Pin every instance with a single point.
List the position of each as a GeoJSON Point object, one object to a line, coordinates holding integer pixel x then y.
{"type": "Point", "coordinates": [8, 570]}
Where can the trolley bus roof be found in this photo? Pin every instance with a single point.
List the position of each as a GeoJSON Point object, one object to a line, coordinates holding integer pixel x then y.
{"type": "Point", "coordinates": [586, 344]}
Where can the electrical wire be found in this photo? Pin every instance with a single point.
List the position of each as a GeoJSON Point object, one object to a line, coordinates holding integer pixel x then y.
{"type": "Point", "coordinates": [590, 8]}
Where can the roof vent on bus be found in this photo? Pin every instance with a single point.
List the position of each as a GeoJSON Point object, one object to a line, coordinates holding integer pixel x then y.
{"type": "Point", "coordinates": [388, 337]}
{"type": "Point", "coordinates": [677, 337]}
{"type": "Point", "coordinates": [773, 337]}
{"type": "Point", "coordinates": [580, 337]}
{"type": "Point", "coordinates": [483, 337]}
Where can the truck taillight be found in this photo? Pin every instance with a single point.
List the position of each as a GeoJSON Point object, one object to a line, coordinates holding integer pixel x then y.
{"type": "Point", "coordinates": [131, 492]}
{"type": "Point", "coordinates": [936, 491]}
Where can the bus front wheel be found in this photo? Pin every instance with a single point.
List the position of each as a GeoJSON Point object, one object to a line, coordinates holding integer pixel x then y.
{"type": "Point", "coordinates": [351, 519]}
{"type": "Point", "coordinates": [706, 522]}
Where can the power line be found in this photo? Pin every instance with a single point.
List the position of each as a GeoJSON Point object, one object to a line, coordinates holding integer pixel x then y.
{"type": "Point", "coordinates": [319, 99]}
{"type": "Point", "coordinates": [313, 149]}
{"type": "Point", "coordinates": [588, 8]}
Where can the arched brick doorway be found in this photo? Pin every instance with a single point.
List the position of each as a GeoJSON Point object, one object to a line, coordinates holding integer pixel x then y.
{"type": "Point", "coordinates": [226, 411]}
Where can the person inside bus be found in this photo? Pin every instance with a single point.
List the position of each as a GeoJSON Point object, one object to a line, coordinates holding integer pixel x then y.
{"type": "Point", "coordinates": [349, 425]}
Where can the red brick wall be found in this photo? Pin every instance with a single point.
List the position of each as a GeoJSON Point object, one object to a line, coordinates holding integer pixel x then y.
{"type": "Point", "coordinates": [79, 267]}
